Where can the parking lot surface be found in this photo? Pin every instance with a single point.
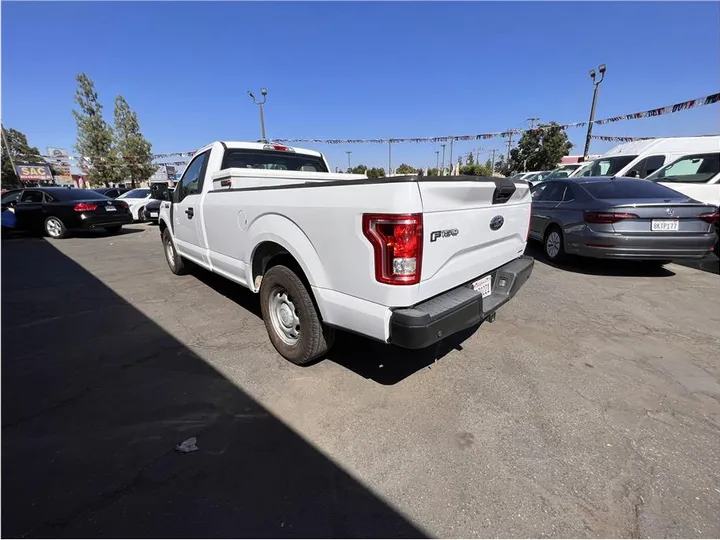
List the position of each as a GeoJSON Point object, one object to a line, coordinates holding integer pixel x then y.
{"type": "Point", "coordinates": [591, 407]}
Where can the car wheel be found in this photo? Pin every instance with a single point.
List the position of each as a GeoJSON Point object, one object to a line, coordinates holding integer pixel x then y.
{"type": "Point", "coordinates": [553, 244]}
{"type": "Point", "coordinates": [114, 229]}
{"type": "Point", "coordinates": [291, 318]}
{"type": "Point", "coordinates": [142, 218]}
{"type": "Point", "coordinates": [174, 260]}
{"type": "Point", "coordinates": [55, 228]}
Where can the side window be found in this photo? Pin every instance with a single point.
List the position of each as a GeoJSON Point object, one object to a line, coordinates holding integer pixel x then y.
{"type": "Point", "coordinates": [191, 182]}
{"type": "Point", "coordinates": [112, 193]}
{"type": "Point", "coordinates": [569, 193]}
{"type": "Point", "coordinates": [653, 164]}
{"type": "Point", "coordinates": [12, 197]}
{"type": "Point", "coordinates": [537, 191]}
{"type": "Point", "coordinates": [553, 192]}
{"type": "Point", "coordinates": [47, 198]}
{"type": "Point", "coordinates": [31, 196]}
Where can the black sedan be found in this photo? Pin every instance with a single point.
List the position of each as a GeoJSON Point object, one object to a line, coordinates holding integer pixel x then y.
{"type": "Point", "coordinates": [57, 211]}
{"type": "Point", "coordinates": [151, 212]}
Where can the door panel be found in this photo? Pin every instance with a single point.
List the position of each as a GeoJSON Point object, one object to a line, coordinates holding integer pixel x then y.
{"type": "Point", "coordinates": [186, 211]}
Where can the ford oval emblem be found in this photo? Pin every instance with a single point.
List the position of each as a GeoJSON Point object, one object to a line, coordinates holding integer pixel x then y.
{"type": "Point", "coordinates": [496, 222]}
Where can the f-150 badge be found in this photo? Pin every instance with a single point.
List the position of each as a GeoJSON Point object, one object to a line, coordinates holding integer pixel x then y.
{"type": "Point", "coordinates": [443, 234]}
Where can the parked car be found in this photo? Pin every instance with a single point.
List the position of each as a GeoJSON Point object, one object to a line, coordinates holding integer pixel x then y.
{"type": "Point", "coordinates": [110, 192]}
{"type": "Point", "coordinates": [563, 171]}
{"type": "Point", "coordinates": [536, 178]}
{"type": "Point", "coordinates": [58, 211]}
{"type": "Point", "coordinates": [639, 159]}
{"type": "Point", "coordinates": [137, 199]}
{"type": "Point", "coordinates": [408, 261]}
{"type": "Point", "coordinates": [695, 175]}
{"type": "Point", "coordinates": [152, 211]}
{"type": "Point", "coordinates": [620, 218]}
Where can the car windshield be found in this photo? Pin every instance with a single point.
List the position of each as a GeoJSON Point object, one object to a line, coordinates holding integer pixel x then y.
{"type": "Point", "coordinates": [135, 194]}
{"type": "Point", "coordinates": [609, 166]}
{"type": "Point", "coordinates": [561, 172]}
{"type": "Point", "coordinates": [697, 168]}
{"type": "Point", "coordinates": [630, 189]}
{"type": "Point", "coordinates": [60, 194]}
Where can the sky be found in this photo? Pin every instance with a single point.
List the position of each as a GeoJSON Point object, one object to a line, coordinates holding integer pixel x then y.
{"type": "Point", "coordinates": [360, 70]}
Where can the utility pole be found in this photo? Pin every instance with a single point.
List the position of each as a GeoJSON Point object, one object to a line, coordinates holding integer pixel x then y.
{"type": "Point", "coordinates": [507, 159]}
{"type": "Point", "coordinates": [492, 162]}
{"type": "Point", "coordinates": [437, 162]}
{"type": "Point", "coordinates": [389, 157]}
{"type": "Point", "coordinates": [443, 160]}
{"type": "Point", "coordinates": [602, 68]}
{"type": "Point", "coordinates": [477, 155]}
{"type": "Point", "coordinates": [262, 114]}
{"type": "Point", "coordinates": [7, 147]}
{"type": "Point", "coordinates": [452, 139]}
{"type": "Point", "coordinates": [348, 152]}
{"type": "Point", "coordinates": [532, 121]}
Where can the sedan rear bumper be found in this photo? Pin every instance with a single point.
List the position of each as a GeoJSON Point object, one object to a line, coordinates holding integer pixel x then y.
{"type": "Point", "coordinates": [90, 221]}
{"type": "Point", "coordinates": [639, 247]}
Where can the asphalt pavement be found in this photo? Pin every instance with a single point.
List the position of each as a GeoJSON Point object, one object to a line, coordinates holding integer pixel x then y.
{"type": "Point", "coordinates": [591, 407]}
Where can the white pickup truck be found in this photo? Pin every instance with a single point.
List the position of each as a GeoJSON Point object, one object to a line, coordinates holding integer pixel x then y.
{"type": "Point", "coordinates": [406, 260]}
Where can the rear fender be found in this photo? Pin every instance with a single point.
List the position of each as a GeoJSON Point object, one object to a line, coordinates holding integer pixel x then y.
{"type": "Point", "coordinates": [286, 233]}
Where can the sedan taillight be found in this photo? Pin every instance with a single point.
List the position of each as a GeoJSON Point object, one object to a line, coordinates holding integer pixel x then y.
{"type": "Point", "coordinates": [85, 207]}
{"type": "Point", "coordinates": [711, 217]}
{"type": "Point", "coordinates": [123, 204]}
{"type": "Point", "coordinates": [607, 217]}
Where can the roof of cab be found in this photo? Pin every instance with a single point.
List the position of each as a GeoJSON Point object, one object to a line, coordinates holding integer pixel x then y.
{"type": "Point", "coordinates": [258, 146]}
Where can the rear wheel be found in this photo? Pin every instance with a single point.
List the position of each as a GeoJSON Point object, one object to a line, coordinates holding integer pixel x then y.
{"type": "Point", "coordinates": [55, 228]}
{"type": "Point", "coordinates": [553, 244]}
{"type": "Point", "coordinates": [174, 260]}
{"type": "Point", "coordinates": [142, 216]}
{"type": "Point", "coordinates": [291, 318]}
{"type": "Point", "coordinates": [114, 229]}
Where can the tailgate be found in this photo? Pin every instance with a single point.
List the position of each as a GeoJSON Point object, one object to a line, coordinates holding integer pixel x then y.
{"type": "Point", "coordinates": [470, 227]}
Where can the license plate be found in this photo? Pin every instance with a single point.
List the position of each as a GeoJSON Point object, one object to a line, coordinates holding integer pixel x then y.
{"type": "Point", "coordinates": [483, 286]}
{"type": "Point", "coordinates": [110, 209]}
{"type": "Point", "coordinates": [153, 214]}
{"type": "Point", "coordinates": [665, 224]}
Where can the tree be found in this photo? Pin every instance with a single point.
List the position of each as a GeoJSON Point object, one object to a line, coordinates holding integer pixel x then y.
{"type": "Point", "coordinates": [404, 168]}
{"type": "Point", "coordinates": [540, 149]}
{"type": "Point", "coordinates": [21, 152]}
{"type": "Point", "coordinates": [358, 169]}
{"type": "Point", "coordinates": [132, 148]}
{"type": "Point", "coordinates": [375, 172]}
{"type": "Point", "coordinates": [94, 136]}
{"type": "Point", "coordinates": [470, 160]}
{"type": "Point", "coordinates": [476, 170]}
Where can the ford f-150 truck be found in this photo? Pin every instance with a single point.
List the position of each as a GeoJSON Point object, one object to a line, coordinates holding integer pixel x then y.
{"type": "Point", "coordinates": [407, 260]}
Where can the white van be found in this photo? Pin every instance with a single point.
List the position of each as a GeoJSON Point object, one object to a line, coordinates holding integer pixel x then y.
{"type": "Point", "coordinates": [696, 175]}
{"type": "Point", "coordinates": [638, 159]}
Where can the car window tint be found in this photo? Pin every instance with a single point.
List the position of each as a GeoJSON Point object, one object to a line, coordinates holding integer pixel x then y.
{"type": "Point", "coordinates": [631, 189]}
{"type": "Point", "coordinates": [31, 196]}
{"type": "Point", "coordinates": [569, 193]}
{"type": "Point", "coordinates": [553, 193]}
{"type": "Point", "coordinates": [13, 196]}
{"type": "Point", "coordinates": [192, 180]}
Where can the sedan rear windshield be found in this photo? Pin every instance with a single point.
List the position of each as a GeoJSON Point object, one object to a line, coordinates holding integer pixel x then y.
{"type": "Point", "coordinates": [75, 194]}
{"type": "Point", "coordinates": [272, 160]}
{"type": "Point", "coordinates": [630, 189]}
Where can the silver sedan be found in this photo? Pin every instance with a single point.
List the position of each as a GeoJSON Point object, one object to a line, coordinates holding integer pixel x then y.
{"type": "Point", "coordinates": [620, 218]}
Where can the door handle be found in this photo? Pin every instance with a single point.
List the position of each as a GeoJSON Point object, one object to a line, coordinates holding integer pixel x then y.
{"type": "Point", "coordinates": [190, 213]}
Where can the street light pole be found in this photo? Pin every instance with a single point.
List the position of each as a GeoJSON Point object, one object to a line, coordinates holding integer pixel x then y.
{"type": "Point", "coordinates": [602, 68]}
{"type": "Point", "coordinates": [262, 112]}
{"type": "Point", "coordinates": [348, 152]}
{"type": "Point", "coordinates": [437, 162]}
{"type": "Point", "coordinates": [443, 160]}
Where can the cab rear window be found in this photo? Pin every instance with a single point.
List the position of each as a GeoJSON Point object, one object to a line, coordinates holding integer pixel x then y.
{"type": "Point", "coordinates": [271, 160]}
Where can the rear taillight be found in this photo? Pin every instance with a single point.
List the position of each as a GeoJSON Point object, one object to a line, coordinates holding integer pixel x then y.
{"type": "Point", "coordinates": [123, 204]}
{"type": "Point", "coordinates": [397, 243]}
{"type": "Point", "coordinates": [85, 207]}
{"type": "Point", "coordinates": [712, 217]}
{"type": "Point", "coordinates": [607, 217]}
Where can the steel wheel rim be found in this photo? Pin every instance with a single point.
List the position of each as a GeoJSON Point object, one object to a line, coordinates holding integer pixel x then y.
{"type": "Point", "coordinates": [552, 245]}
{"type": "Point", "coordinates": [53, 227]}
{"type": "Point", "coordinates": [170, 253]}
{"type": "Point", "coordinates": [283, 316]}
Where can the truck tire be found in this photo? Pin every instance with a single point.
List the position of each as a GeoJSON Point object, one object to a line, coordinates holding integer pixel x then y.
{"type": "Point", "coordinates": [174, 260]}
{"type": "Point", "coordinates": [291, 318]}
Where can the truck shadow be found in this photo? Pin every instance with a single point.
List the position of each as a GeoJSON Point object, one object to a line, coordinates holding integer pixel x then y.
{"type": "Point", "coordinates": [598, 267]}
{"type": "Point", "coordinates": [95, 398]}
{"type": "Point", "coordinates": [384, 364]}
